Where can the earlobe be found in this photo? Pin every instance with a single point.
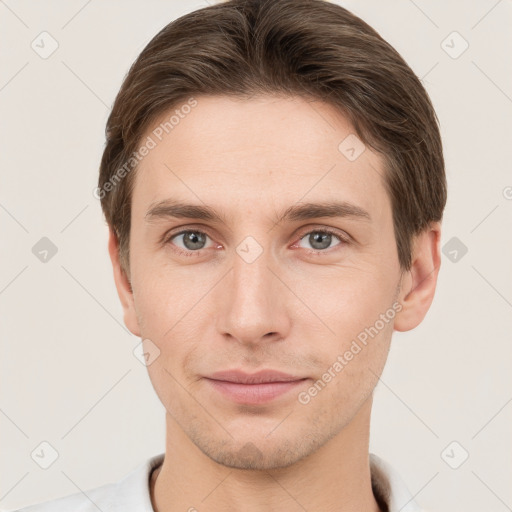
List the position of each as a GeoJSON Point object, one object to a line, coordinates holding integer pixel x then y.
{"type": "Point", "coordinates": [419, 283]}
{"type": "Point", "coordinates": [123, 285]}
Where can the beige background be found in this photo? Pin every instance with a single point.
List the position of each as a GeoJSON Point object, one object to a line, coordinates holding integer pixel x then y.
{"type": "Point", "coordinates": [68, 374]}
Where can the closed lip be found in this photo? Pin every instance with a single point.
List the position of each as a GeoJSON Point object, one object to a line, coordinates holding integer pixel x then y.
{"type": "Point", "coordinates": [261, 377]}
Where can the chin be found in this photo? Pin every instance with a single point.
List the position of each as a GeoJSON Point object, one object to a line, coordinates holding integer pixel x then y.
{"type": "Point", "coordinates": [257, 455]}
{"type": "Point", "coordinates": [252, 458]}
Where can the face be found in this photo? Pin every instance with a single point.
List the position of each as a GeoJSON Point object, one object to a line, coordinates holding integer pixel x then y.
{"type": "Point", "coordinates": [261, 278]}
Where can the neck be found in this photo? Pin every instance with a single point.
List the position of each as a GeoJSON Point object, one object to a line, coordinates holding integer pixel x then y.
{"type": "Point", "coordinates": [336, 477]}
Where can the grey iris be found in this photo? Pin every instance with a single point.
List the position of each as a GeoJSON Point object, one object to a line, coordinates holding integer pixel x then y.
{"type": "Point", "coordinates": [324, 239]}
{"type": "Point", "coordinates": [194, 240]}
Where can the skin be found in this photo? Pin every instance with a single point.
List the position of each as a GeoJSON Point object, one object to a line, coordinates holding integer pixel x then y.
{"type": "Point", "coordinates": [295, 308]}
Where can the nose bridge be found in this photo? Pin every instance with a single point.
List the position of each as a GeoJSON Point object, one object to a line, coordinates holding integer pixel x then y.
{"type": "Point", "coordinates": [254, 306]}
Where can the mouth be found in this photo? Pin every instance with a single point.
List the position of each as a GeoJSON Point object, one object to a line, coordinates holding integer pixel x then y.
{"type": "Point", "coordinates": [253, 389]}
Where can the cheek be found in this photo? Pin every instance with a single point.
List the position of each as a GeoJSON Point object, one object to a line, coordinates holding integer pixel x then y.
{"type": "Point", "coordinates": [176, 341]}
{"type": "Point", "coordinates": [171, 312]}
{"type": "Point", "coordinates": [160, 294]}
{"type": "Point", "coordinates": [352, 324]}
{"type": "Point", "coordinates": [350, 373]}
{"type": "Point", "coordinates": [346, 298]}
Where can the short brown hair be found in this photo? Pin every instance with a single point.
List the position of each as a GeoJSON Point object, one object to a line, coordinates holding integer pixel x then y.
{"type": "Point", "coordinates": [309, 48]}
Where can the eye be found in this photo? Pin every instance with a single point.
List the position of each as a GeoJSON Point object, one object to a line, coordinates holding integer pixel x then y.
{"type": "Point", "coordinates": [193, 241]}
{"type": "Point", "coordinates": [189, 240]}
{"type": "Point", "coordinates": [321, 239]}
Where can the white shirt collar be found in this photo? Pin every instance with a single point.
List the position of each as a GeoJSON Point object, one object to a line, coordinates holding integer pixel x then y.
{"type": "Point", "coordinates": [387, 482]}
{"type": "Point", "coordinates": [131, 493]}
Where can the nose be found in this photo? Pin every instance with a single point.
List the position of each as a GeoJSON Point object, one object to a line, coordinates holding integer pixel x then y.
{"type": "Point", "coordinates": [252, 302]}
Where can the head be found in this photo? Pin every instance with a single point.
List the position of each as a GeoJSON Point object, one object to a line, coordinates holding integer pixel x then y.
{"type": "Point", "coordinates": [273, 181]}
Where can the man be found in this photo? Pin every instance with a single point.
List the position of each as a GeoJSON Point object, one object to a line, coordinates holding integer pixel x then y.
{"type": "Point", "coordinates": [273, 181]}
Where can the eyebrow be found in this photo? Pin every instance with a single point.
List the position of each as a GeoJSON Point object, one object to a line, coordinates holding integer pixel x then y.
{"type": "Point", "coordinates": [169, 208]}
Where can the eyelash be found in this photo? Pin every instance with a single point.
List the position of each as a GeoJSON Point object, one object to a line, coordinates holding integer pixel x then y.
{"type": "Point", "coordinates": [324, 230]}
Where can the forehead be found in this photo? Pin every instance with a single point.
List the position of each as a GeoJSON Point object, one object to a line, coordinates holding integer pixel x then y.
{"type": "Point", "coordinates": [266, 152]}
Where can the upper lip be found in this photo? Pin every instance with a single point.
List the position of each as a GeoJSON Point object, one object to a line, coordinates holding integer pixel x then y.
{"type": "Point", "coordinates": [260, 377]}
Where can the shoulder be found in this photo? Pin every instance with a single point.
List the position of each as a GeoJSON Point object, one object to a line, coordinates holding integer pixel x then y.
{"type": "Point", "coordinates": [90, 501]}
{"type": "Point", "coordinates": [131, 494]}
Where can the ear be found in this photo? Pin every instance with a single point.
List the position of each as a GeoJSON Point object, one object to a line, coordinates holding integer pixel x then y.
{"type": "Point", "coordinates": [418, 284]}
{"type": "Point", "coordinates": [124, 289]}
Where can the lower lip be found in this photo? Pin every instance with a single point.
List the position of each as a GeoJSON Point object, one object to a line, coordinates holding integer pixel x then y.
{"type": "Point", "coordinates": [254, 393]}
